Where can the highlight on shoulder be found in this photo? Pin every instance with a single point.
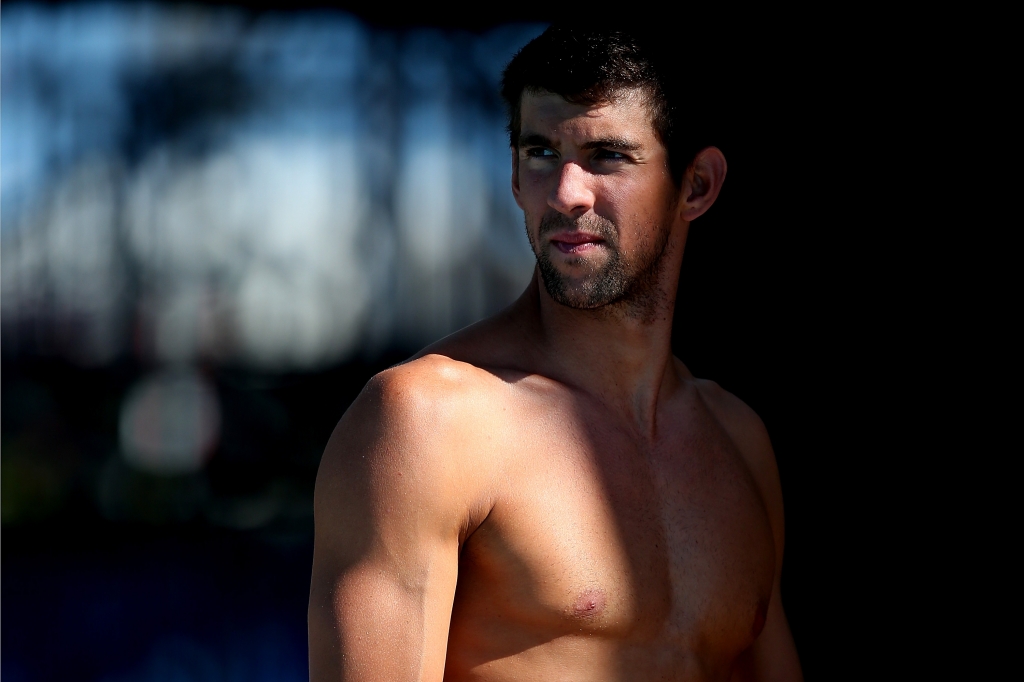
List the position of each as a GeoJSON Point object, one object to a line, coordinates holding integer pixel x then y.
{"type": "Point", "coordinates": [432, 377]}
{"type": "Point", "coordinates": [420, 389]}
{"type": "Point", "coordinates": [422, 403]}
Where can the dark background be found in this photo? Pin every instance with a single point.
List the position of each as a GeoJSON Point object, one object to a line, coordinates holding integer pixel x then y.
{"type": "Point", "coordinates": [805, 291]}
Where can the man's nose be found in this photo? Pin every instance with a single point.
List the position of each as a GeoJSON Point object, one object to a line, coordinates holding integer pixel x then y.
{"type": "Point", "coordinates": [573, 194]}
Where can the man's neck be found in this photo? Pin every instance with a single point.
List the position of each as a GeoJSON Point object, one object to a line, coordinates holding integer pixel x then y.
{"type": "Point", "coordinates": [620, 356]}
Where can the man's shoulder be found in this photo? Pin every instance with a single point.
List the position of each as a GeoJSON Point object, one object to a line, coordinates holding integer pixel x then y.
{"type": "Point", "coordinates": [410, 437]}
{"type": "Point", "coordinates": [434, 386]}
{"type": "Point", "coordinates": [428, 407]}
{"type": "Point", "coordinates": [738, 419]}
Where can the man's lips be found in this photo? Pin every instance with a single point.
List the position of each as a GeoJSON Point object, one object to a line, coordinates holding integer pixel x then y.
{"type": "Point", "coordinates": [575, 242]}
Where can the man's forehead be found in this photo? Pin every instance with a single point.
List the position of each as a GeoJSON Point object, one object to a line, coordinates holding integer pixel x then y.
{"type": "Point", "coordinates": [547, 113]}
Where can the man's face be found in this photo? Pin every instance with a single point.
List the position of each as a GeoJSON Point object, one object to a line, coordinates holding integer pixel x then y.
{"type": "Point", "coordinates": [594, 184]}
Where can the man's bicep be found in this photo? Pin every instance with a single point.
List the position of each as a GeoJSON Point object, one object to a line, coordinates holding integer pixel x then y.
{"type": "Point", "coordinates": [365, 624]}
{"type": "Point", "coordinates": [373, 621]}
{"type": "Point", "coordinates": [385, 554]}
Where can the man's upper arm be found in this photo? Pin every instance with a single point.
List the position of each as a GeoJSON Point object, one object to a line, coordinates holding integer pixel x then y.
{"type": "Point", "coordinates": [388, 514]}
{"type": "Point", "coordinates": [773, 655]}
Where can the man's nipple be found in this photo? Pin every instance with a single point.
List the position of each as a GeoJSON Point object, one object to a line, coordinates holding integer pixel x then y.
{"type": "Point", "coordinates": [589, 604]}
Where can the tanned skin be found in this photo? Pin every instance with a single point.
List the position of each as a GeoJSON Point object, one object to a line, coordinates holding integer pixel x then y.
{"type": "Point", "coordinates": [550, 494]}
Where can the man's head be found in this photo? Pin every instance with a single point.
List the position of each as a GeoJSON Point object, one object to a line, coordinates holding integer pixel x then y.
{"type": "Point", "coordinates": [603, 166]}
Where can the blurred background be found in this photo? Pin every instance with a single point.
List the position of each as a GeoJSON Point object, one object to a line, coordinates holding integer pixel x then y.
{"type": "Point", "coordinates": [217, 221]}
{"type": "Point", "coordinates": [217, 224]}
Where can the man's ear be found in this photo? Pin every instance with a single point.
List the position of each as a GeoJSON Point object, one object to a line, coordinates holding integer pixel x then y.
{"type": "Point", "coordinates": [515, 176]}
{"type": "Point", "coordinates": [702, 183]}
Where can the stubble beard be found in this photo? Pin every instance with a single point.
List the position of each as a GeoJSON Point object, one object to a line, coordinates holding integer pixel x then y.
{"type": "Point", "coordinates": [626, 283]}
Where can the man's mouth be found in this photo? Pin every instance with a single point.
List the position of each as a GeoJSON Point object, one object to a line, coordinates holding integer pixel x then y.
{"type": "Point", "coordinates": [576, 243]}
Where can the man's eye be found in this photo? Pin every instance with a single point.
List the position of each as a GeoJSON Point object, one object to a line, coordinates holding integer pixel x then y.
{"type": "Point", "coordinates": [609, 155]}
{"type": "Point", "coordinates": [539, 152]}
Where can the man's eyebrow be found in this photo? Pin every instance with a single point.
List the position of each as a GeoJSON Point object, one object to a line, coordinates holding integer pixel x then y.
{"type": "Point", "coordinates": [538, 140]}
{"type": "Point", "coordinates": [612, 143]}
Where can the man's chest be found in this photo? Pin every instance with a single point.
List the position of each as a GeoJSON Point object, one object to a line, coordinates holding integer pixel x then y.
{"type": "Point", "coordinates": [595, 533]}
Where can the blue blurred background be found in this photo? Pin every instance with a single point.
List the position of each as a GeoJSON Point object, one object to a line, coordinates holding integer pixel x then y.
{"type": "Point", "coordinates": [217, 223]}
{"type": "Point", "coordinates": [279, 191]}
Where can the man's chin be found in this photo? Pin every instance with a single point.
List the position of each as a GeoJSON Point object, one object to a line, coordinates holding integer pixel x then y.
{"type": "Point", "coordinates": [581, 293]}
{"type": "Point", "coordinates": [584, 283]}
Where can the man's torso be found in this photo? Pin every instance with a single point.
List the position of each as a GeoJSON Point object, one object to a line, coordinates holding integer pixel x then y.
{"type": "Point", "coordinates": [606, 554]}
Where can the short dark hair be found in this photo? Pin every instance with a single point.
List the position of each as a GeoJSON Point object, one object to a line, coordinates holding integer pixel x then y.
{"type": "Point", "coordinates": [588, 65]}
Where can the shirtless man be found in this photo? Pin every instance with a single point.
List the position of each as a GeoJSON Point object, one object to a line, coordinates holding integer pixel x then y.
{"type": "Point", "coordinates": [550, 494]}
